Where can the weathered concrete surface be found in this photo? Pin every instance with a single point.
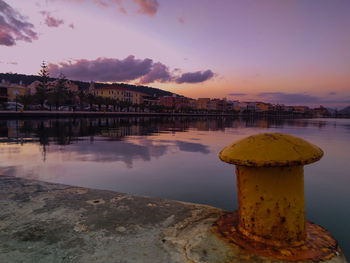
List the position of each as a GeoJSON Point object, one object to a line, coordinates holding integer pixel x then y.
{"type": "Point", "coordinates": [44, 222]}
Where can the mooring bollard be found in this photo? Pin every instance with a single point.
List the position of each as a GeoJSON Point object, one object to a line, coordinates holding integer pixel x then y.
{"type": "Point", "coordinates": [271, 207]}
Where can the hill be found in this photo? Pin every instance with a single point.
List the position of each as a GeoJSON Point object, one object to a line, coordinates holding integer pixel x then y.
{"type": "Point", "coordinates": [28, 79]}
{"type": "Point", "coordinates": [345, 110]}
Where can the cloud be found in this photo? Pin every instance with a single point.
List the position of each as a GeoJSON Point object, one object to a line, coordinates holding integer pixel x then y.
{"type": "Point", "coordinates": [122, 10]}
{"type": "Point", "coordinates": [299, 98]}
{"type": "Point", "coordinates": [104, 69]}
{"type": "Point", "coordinates": [195, 77]}
{"type": "Point", "coordinates": [159, 72]}
{"type": "Point", "coordinates": [128, 69]}
{"type": "Point", "coordinates": [14, 27]}
{"type": "Point", "coordinates": [71, 26]}
{"type": "Point", "coordinates": [281, 97]}
{"type": "Point", "coordinates": [181, 20]}
{"type": "Point", "coordinates": [9, 62]}
{"type": "Point", "coordinates": [50, 21]}
{"type": "Point", "coordinates": [237, 94]}
{"type": "Point", "coordinates": [147, 7]}
{"type": "Point", "coordinates": [192, 147]}
{"type": "Point", "coordinates": [332, 93]}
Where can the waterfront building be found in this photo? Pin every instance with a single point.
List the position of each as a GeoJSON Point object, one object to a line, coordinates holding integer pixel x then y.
{"type": "Point", "coordinates": [203, 103]}
{"type": "Point", "coordinates": [174, 102]}
{"type": "Point", "coordinates": [301, 109]}
{"type": "Point", "coordinates": [119, 93]}
{"type": "Point", "coordinates": [151, 100]}
{"type": "Point", "coordinates": [9, 91]}
{"type": "Point", "coordinates": [51, 86]}
{"type": "Point", "coordinates": [262, 107]}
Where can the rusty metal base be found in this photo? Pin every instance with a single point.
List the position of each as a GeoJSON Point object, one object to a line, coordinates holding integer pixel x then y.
{"type": "Point", "coordinates": [318, 246]}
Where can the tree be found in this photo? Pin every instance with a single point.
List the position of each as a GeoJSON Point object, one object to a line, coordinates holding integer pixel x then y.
{"type": "Point", "coordinates": [82, 97]}
{"type": "Point", "coordinates": [26, 100]}
{"type": "Point", "coordinates": [115, 103]}
{"type": "Point", "coordinates": [99, 101]}
{"type": "Point", "coordinates": [91, 98]}
{"type": "Point", "coordinates": [60, 92]}
{"type": "Point", "coordinates": [41, 90]}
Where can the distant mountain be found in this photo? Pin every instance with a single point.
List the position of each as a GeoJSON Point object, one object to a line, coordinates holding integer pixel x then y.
{"type": "Point", "coordinates": [28, 79]}
{"type": "Point", "coordinates": [345, 110]}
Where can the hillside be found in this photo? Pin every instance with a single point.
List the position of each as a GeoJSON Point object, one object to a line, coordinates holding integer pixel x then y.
{"type": "Point", "coordinates": [28, 79]}
{"type": "Point", "coordinates": [345, 110]}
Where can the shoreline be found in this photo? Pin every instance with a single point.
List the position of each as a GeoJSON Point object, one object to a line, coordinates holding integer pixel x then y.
{"type": "Point", "coordinates": [84, 114]}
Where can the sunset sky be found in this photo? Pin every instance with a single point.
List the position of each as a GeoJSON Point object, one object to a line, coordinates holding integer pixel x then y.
{"type": "Point", "coordinates": [291, 52]}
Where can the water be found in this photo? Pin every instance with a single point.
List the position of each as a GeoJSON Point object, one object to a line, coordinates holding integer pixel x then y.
{"type": "Point", "coordinates": [175, 158]}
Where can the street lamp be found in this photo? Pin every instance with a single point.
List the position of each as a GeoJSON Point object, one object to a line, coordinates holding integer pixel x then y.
{"type": "Point", "coordinates": [16, 93]}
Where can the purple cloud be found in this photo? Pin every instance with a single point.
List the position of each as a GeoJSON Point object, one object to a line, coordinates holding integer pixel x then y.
{"type": "Point", "coordinates": [14, 27]}
{"type": "Point", "coordinates": [159, 72]}
{"type": "Point", "coordinates": [181, 20]}
{"type": "Point", "coordinates": [50, 21]}
{"type": "Point", "coordinates": [128, 69]}
{"type": "Point", "coordinates": [195, 77]}
{"type": "Point", "coordinates": [147, 7]}
{"type": "Point", "coordinates": [104, 69]}
{"type": "Point", "coordinates": [300, 98]}
{"type": "Point", "coordinates": [287, 98]}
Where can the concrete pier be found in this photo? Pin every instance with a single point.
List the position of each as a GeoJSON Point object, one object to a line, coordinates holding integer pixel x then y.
{"type": "Point", "coordinates": [45, 222]}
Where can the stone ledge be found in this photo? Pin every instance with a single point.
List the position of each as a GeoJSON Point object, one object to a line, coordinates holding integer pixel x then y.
{"type": "Point", "coordinates": [46, 222]}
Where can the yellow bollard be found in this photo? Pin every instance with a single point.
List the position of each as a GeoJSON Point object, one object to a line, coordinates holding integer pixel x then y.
{"type": "Point", "coordinates": [271, 207]}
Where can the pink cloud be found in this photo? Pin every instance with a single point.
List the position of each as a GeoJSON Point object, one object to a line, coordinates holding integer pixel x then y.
{"type": "Point", "coordinates": [14, 27]}
{"type": "Point", "coordinates": [122, 10]}
{"type": "Point", "coordinates": [147, 7]}
{"type": "Point", "coordinates": [50, 21]}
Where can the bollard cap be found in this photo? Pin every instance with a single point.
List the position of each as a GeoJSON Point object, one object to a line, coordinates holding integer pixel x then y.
{"type": "Point", "coordinates": [271, 149]}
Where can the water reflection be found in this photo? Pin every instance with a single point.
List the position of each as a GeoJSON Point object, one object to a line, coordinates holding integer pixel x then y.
{"type": "Point", "coordinates": [67, 131]}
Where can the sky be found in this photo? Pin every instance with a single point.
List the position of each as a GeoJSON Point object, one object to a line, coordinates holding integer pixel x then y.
{"type": "Point", "coordinates": [291, 52]}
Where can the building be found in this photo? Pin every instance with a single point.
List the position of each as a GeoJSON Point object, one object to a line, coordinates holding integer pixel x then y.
{"type": "Point", "coordinates": [118, 93]}
{"type": "Point", "coordinates": [174, 102]}
{"type": "Point", "coordinates": [151, 100]}
{"type": "Point", "coordinates": [9, 91]}
{"type": "Point", "coordinates": [262, 107]}
{"type": "Point", "coordinates": [51, 86]}
{"type": "Point", "coordinates": [203, 103]}
{"type": "Point", "coordinates": [320, 112]}
{"type": "Point", "coordinates": [301, 109]}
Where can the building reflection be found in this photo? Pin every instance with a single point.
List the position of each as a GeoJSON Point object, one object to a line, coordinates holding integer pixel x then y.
{"type": "Point", "coordinates": [68, 131]}
{"type": "Point", "coordinates": [125, 140]}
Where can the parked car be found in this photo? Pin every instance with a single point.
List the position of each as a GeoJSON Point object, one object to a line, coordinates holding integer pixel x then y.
{"type": "Point", "coordinates": [64, 108]}
{"type": "Point", "coordinates": [12, 106]}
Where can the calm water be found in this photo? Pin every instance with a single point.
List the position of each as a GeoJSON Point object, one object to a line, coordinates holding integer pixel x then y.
{"type": "Point", "coordinates": [175, 158]}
